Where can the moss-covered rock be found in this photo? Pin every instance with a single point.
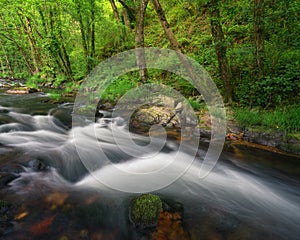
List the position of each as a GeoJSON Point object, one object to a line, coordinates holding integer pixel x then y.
{"type": "Point", "coordinates": [145, 210]}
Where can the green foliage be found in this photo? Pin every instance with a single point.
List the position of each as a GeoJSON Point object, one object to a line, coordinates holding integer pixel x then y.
{"type": "Point", "coordinates": [286, 119]}
{"type": "Point", "coordinates": [120, 86]}
{"type": "Point", "coordinates": [145, 210]}
{"type": "Point", "coordinates": [38, 39]}
{"type": "Point", "coordinates": [277, 89]}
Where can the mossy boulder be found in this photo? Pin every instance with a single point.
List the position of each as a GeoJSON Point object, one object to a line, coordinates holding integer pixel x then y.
{"type": "Point", "coordinates": [145, 210]}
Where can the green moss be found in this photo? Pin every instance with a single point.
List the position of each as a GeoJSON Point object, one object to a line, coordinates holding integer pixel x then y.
{"type": "Point", "coordinates": [4, 203]}
{"type": "Point", "coordinates": [145, 210]}
{"type": "Point", "coordinates": [295, 136]}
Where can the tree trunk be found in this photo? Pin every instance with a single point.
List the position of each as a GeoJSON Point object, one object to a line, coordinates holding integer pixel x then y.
{"type": "Point", "coordinates": [11, 72]}
{"type": "Point", "coordinates": [21, 49]}
{"type": "Point", "coordinates": [165, 25]}
{"type": "Point", "coordinates": [115, 10]}
{"type": "Point", "coordinates": [126, 18]}
{"type": "Point", "coordinates": [83, 35]}
{"type": "Point", "coordinates": [57, 46]}
{"type": "Point", "coordinates": [174, 44]}
{"type": "Point", "coordinates": [139, 40]}
{"type": "Point", "coordinates": [92, 38]}
{"type": "Point", "coordinates": [218, 37]}
{"type": "Point", "coordinates": [259, 37]}
{"type": "Point", "coordinates": [131, 12]}
{"type": "Point", "coordinates": [32, 43]}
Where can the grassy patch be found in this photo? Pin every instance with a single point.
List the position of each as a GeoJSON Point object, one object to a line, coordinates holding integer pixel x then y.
{"type": "Point", "coordinates": [285, 119]}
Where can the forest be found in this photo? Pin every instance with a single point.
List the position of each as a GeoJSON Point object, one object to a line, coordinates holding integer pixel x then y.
{"type": "Point", "coordinates": [146, 156]}
{"type": "Point", "coordinates": [251, 49]}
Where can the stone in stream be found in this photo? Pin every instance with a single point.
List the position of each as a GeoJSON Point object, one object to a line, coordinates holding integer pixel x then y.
{"type": "Point", "coordinates": [145, 210]}
{"type": "Point", "coordinates": [170, 226]}
{"type": "Point", "coordinates": [158, 219]}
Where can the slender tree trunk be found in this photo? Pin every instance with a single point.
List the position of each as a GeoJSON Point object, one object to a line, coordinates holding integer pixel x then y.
{"type": "Point", "coordinates": [131, 12]}
{"type": "Point", "coordinates": [115, 10]}
{"type": "Point", "coordinates": [218, 37]}
{"type": "Point", "coordinates": [83, 35]}
{"type": "Point", "coordinates": [58, 47]}
{"type": "Point", "coordinates": [34, 44]}
{"type": "Point", "coordinates": [11, 72]}
{"type": "Point", "coordinates": [92, 38]}
{"type": "Point", "coordinates": [165, 25]}
{"type": "Point", "coordinates": [259, 37]}
{"type": "Point", "coordinates": [174, 44]}
{"type": "Point", "coordinates": [139, 40]}
{"type": "Point", "coordinates": [31, 43]}
{"type": "Point", "coordinates": [126, 18]}
{"type": "Point", "coordinates": [22, 51]}
{"type": "Point", "coordinates": [64, 54]}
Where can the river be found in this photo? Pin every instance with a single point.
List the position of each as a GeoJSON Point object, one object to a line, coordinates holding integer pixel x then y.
{"type": "Point", "coordinates": [47, 192]}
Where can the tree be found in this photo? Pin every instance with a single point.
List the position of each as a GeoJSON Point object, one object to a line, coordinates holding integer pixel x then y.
{"type": "Point", "coordinates": [86, 18]}
{"type": "Point", "coordinates": [258, 28]}
{"type": "Point", "coordinates": [165, 25]}
{"type": "Point", "coordinates": [139, 40]}
{"type": "Point", "coordinates": [220, 47]}
{"type": "Point", "coordinates": [115, 10]}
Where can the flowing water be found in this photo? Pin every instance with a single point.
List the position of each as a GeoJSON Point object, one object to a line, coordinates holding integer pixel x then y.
{"type": "Point", "coordinates": [250, 194]}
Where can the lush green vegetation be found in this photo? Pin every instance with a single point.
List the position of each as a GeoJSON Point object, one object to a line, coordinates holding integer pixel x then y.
{"type": "Point", "coordinates": [285, 119]}
{"type": "Point", "coordinates": [250, 48]}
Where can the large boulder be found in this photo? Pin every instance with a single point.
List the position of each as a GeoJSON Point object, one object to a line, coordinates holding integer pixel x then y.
{"type": "Point", "coordinates": [165, 111]}
{"type": "Point", "coordinates": [151, 115]}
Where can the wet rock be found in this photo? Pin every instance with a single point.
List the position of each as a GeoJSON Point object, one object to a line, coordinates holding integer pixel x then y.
{"type": "Point", "coordinates": [38, 165]}
{"type": "Point", "coordinates": [64, 115]}
{"type": "Point", "coordinates": [4, 110]}
{"type": "Point", "coordinates": [6, 178]}
{"type": "Point", "coordinates": [145, 210]}
{"type": "Point", "coordinates": [227, 223]}
{"type": "Point", "coordinates": [291, 145]}
{"type": "Point", "coordinates": [105, 106]}
{"type": "Point", "coordinates": [268, 139]}
{"type": "Point", "coordinates": [170, 227]}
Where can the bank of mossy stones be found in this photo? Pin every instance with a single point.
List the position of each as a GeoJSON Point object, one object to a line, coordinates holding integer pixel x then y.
{"type": "Point", "coordinates": [145, 210]}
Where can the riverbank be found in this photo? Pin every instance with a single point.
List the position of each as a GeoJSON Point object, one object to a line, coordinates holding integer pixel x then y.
{"type": "Point", "coordinates": [271, 140]}
{"type": "Point", "coordinates": [239, 129]}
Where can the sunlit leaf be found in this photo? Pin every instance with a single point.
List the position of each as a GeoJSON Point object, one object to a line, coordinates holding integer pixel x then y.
{"type": "Point", "coordinates": [21, 215]}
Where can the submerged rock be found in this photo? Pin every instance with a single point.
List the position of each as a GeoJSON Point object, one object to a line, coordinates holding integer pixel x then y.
{"type": "Point", "coordinates": [169, 227]}
{"type": "Point", "coordinates": [145, 210]}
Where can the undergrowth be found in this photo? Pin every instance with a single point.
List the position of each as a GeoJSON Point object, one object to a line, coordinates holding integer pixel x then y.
{"type": "Point", "coordinates": [285, 119]}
